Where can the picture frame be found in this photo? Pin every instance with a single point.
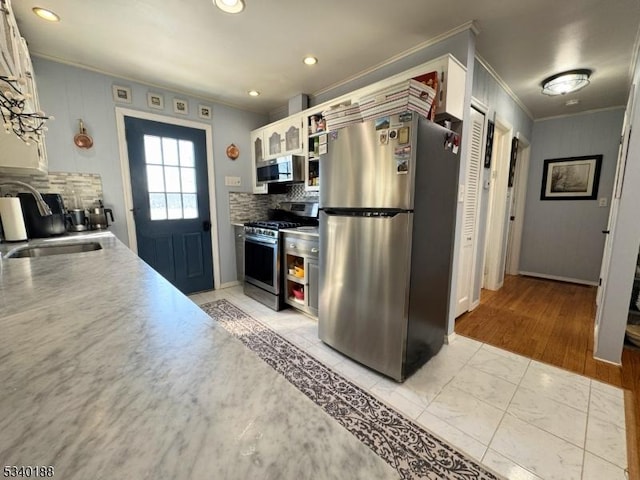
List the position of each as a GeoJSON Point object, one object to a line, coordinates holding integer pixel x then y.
{"type": "Point", "coordinates": [488, 150]}
{"type": "Point", "coordinates": [571, 178]}
{"type": "Point", "coordinates": [204, 111]}
{"type": "Point", "coordinates": [121, 93]}
{"type": "Point", "coordinates": [180, 106]}
{"type": "Point", "coordinates": [155, 100]}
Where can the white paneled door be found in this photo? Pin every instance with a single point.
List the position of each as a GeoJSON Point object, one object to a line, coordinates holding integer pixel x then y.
{"type": "Point", "coordinates": [470, 214]}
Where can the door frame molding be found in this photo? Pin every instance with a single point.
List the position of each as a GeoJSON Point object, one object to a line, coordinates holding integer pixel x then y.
{"type": "Point", "coordinates": [497, 214]}
{"type": "Point", "coordinates": [514, 240]}
{"type": "Point", "coordinates": [126, 177]}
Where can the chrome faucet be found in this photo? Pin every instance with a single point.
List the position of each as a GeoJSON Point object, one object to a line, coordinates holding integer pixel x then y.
{"type": "Point", "coordinates": [43, 208]}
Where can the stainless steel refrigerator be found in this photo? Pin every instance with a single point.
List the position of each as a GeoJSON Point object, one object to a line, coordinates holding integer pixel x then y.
{"type": "Point", "coordinates": [387, 221]}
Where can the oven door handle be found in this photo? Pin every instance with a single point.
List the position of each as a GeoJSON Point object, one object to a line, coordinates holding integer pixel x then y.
{"type": "Point", "coordinates": [262, 241]}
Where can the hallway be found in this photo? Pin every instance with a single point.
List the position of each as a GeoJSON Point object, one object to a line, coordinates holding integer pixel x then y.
{"type": "Point", "coordinates": [552, 322]}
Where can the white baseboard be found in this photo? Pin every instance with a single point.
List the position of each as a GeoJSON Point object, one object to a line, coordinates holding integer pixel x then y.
{"type": "Point", "coordinates": [617, 364]}
{"type": "Point", "coordinates": [449, 338]}
{"type": "Point", "coordinates": [229, 284]}
{"type": "Point", "coordinates": [560, 279]}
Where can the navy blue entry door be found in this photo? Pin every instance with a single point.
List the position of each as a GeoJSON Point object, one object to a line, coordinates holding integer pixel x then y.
{"type": "Point", "coordinates": [168, 166]}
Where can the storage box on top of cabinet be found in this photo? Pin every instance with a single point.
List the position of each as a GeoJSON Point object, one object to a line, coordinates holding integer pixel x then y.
{"type": "Point", "coordinates": [342, 115]}
{"type": "Point", "coordinates": [398, 98]}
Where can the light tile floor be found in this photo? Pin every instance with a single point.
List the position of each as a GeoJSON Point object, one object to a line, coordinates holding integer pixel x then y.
{"type": "Point", "coordinates": [524, 419]}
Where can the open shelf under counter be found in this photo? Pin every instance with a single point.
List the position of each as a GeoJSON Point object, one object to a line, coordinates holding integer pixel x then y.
{"type": "Point", "coordinates": [295, 279]}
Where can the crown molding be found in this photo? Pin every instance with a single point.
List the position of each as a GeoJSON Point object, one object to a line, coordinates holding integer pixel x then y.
{"type": "Point", "coordinates": [145, 83]}
{"type": "Point", "coordinates": [504, 86]}
{"type": "Point", "coordinates": [584, 112]}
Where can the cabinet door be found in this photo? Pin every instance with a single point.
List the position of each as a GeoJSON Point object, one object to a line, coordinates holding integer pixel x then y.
{"type": "Point", "coordinates": [257, 155]}
{"type": "Point", "coordinates": [9, 41]}
{"type": "Point", "coordinates": [452, 88]}
{"type": "Point", "coordinates": [293, 136]}
{"type": "Point", "coordinates": [312, 286]}
{"type": "Point", "coordinates": [284, 137]}
{"type": "Point", "coordinates": [239, 241]}
{"type": "Point", "coordinates": [274, 141]}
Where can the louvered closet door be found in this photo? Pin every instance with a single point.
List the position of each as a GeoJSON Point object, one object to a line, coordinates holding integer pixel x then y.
{"type": "Point", "coordinates": [470, 216]}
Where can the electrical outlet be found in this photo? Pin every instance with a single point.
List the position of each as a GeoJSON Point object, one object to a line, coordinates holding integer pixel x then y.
{"type": "Point", "coordinates": [232, 181]}
{"type": "Point", "coordinates": [602, 202]}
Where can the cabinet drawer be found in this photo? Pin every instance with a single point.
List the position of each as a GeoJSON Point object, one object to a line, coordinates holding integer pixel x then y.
{"type": "Point", "coordinates": [302, 247]}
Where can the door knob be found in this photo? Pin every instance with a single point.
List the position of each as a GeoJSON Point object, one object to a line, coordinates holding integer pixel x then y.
{"type": "Point", "coordinates": [206, 225]}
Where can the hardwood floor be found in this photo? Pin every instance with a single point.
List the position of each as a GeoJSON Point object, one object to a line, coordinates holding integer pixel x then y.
{"type": "Point", "coordinates": [552, 322]}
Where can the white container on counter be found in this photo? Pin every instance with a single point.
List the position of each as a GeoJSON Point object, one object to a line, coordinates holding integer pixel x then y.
{"type": "Point", "coordinates": [12, 220]}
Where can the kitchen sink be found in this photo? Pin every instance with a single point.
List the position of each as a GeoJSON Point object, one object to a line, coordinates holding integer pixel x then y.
{"type": "Point", "coordinates": [46, 250]}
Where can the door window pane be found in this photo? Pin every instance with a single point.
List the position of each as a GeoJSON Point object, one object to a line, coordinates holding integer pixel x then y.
{"type": "Point", "coordinates": [155, 178]}
{"type": "Point", "coordinates": [174, 205]}
{"type": "Point", "coordinates": [188, 180]}
{"type": "Point", "coordinates": [172, 188]}
{"type": "Point", "coordinates": [152, 149]}
{"type": "Point", "coordinates": [190, 203]}
{"type": "Point", "coordinates": [172, 179]}
{"type": "Point", "coordinates": [158, 206]}
{"type": "Point", "coordinates": [170, 151]}
{"type": "Point", "coordinates": [187, 158]}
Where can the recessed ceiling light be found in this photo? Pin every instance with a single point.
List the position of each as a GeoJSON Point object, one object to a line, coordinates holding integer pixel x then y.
{"type": "Point", "coordinates": [45, 14]}
{"type": "Point", "coordinates": [230, 6]}
{"type": "Point", "coordinates": [309, 60]}
{"type": "Point", "coordinates": [566, 82]}
{"type": "Point", "coordinates": [573, 101]}
{"type": "Point", "coordinates": [253, 93]}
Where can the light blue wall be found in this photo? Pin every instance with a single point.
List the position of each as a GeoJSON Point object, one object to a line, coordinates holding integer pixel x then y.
{"type": "Point", "coordinates": [501, 105]}
{"type": "Point", "coordinates": [563, 238]}
{"type": "Point", "coordinates": [491, 93]}
{"type": "Point", "coordinates": [71, 93]}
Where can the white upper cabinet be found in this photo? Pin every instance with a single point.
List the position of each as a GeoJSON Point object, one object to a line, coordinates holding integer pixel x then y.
{"type": "Point", "coordinates": [284, 137]}
{"type": "Point", "coordinates": [16, 155]}
{"type": "Point", "coordinates": [451, 89]}
{"type": "Point", "coordinates": [9, 41]}
{"type": "Point", "coordinates": [257, 155]}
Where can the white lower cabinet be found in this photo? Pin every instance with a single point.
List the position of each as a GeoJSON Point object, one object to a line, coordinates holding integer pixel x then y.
{"type": "Point", "coordinates": [302, 269]}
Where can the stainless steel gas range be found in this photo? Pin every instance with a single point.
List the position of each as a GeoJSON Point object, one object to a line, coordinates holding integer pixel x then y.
{"type": "Point", "coordinates": [263, 271]}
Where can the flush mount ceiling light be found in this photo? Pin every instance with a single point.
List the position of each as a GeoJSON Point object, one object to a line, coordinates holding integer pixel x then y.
{"type": "Point", "coordinates": [310, 60]}
{"type": "Point", "coordinates": [230, 6]}
{"type": "Point", "coordinates": [45, 14]}
{"type": "Point", "coordinates": [253, 93]}
{"type": "Point", "coordinates": [566, 82]}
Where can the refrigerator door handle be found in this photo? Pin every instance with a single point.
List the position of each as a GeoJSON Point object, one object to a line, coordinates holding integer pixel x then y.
{"type": "Point", "coordinates": [369, 213]}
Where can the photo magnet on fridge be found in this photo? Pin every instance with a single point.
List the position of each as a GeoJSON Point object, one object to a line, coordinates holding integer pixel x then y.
{"type": "Point", "coordinates": [402, 156]}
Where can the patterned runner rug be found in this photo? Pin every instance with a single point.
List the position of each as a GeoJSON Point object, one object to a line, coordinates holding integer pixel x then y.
{"type": "Point", "coordinates": [411, 450]}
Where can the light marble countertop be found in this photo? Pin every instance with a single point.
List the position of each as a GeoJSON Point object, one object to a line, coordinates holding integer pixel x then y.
{"type": "Point", "coordinates": [108, 372]}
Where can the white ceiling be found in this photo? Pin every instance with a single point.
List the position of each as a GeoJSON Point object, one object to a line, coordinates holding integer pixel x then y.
{"type": "Point", "coordinates": [191, 46]}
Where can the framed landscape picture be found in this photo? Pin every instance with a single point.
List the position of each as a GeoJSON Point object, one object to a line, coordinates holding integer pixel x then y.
{"type": "Point", "coordinates": [573, 178]}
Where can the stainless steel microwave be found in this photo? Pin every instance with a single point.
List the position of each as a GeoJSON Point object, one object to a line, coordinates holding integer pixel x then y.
{"type": "Point", "coordinates": [287, 169]}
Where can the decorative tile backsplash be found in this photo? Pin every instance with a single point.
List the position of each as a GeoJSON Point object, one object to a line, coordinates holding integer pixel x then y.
{"type": "Point", "coordinates": [249, 207]}
{"type": "Point", "coordinates": [78, 190]}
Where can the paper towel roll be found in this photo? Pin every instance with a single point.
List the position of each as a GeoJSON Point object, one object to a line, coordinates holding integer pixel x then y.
{"type": "Point", "coordinates": [12, 220]}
